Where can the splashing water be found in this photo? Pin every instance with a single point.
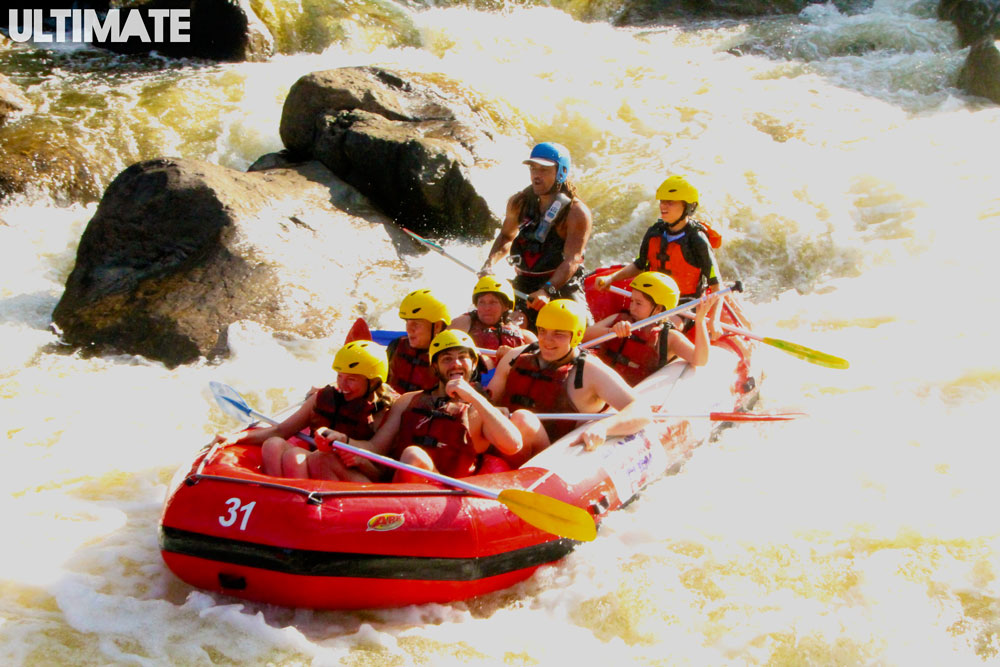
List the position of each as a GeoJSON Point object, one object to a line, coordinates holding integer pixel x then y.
{"type": "Point", "coordinates": [854, 188]}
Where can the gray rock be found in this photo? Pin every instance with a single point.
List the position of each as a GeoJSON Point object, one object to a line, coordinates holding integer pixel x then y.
{"type": "Point", "coordinates": [401, 143]}
{"type": "Point", "coordinates": [981, 73]}
{"type": "Point", "coordinates": [180, 249]}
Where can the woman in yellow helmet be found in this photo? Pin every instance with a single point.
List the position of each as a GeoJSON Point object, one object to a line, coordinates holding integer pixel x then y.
{"type": "Point", "coordinates": [493, 323]}
{"type": "Point", "coordinates": [637, 353]}
{"type": "Point", "coordinates": [355, 406]}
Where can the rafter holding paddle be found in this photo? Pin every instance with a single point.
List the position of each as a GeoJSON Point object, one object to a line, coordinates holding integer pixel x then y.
{"type": "Point", "coordinates": [549, 514]}
{"type": "Point", "coordinates": [794, 349]}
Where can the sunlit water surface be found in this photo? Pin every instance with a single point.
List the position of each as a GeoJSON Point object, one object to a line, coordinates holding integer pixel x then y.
{"type": "Point", "coordinates": [856, 191]}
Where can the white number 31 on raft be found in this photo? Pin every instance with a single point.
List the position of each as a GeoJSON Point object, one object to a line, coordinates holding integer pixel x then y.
{"type": "Point", "coordinates": [236, 507]}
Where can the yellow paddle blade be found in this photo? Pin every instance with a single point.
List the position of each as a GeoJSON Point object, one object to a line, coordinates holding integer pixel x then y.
{"type": "Point", "coordinates": [551, 515]}
{"type": "Point", "coordinates": [808, 354]}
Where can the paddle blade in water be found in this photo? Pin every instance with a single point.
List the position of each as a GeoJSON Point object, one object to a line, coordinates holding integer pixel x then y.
{"type": "Point", "coordinates": [359, 331]}
{"type": "Point", "coordinates": [808, 354]}
{"type": "Point", "coordinates": [551, 515]}
{"type": "Point", "coordinates": [230, 401]}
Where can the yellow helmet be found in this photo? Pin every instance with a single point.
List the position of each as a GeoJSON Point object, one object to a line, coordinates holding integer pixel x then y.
{"type": "Point", "coordinates": [659, 287]}
{"type": "Point", "coordinates": [450, 338]}
{"type": "Point", "coordinates": [492, 284]}
{"type": "Point", "coordinates": [564, 315]}
{"type": "Point", "coordinates": [676, 188]}
{"type": "Point", "coordinates": [362, 357]}
{"type": "Point", "coordinates": [422, 305]}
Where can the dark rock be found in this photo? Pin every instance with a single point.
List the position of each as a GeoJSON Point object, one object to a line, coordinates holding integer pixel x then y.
{"type": "Point", "coordinates": [180, 249]}
{"type": "Point", "coordinates": [219, 29]}
{"type": "Point", "coordinates": [12, 100]}
{"type": "Point", "coordinates": [417, 179]}
{"type": "Point", "coordinates": [976, 20]}
{"type": "Point", "coordinates": [401, 143]}
{"type": "Point", "coordinates": [633, 12]}
{"type": "Point", "coordinates": [981, 73]}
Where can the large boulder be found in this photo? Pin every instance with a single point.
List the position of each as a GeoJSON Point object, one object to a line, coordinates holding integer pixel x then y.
{"type": "Point", "coordinates": [179, 249]}
{"type": "Point", "coordinates": [401, 143]}
{"type": "Point", "coordinates": [219, 29]}
{"type": "Point", "coordinates": [976, 20]}
{"type": "Point", "coordinates": [12, 100]}
{"type": "Point", "coordinates": [981, 73]}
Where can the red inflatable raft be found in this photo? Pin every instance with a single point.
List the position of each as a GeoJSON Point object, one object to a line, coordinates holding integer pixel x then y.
{"type": "Point", "coordinates": [227, 527]}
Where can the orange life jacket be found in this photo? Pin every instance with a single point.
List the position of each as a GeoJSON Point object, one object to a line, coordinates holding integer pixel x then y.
{"type": "Point", "coordinates": [492, 337]}
{"type": "Point", "coordinates": [635, 358]}
{"type": "Point", "coordinates": [354, 418]}
{"type": "Point", "coordinates": [672, 257]}
{"type": "Point", "coordinates": [409, 368]}
{"type": "Point", "coordinates": [540, 389]}
{"type": "Point", "coordinates": [439, 426]}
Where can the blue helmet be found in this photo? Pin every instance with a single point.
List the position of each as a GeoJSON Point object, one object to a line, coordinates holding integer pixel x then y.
{"type": "Point", "coordinates": [549, 154]}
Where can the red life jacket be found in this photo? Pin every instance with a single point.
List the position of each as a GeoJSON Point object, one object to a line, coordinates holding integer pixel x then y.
{"type": "Point", "coordinates": [492, 337]}
{"type": "Point", "coordinates": [409, 368]}
{"type": "Point", "coordinates": [354, 418]}
{"type": "Point", "coordinates": [638, 356]}
{"type": "Point", "coordinates": [671, 257]}
{"type": "Point", "coordinates": [439, 426]}
{"type": "Point", "coordinates": [536, 389]}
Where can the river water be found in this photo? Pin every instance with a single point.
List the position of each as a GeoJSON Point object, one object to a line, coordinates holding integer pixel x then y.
{"type": "Point", "coordinates": [856, 191]}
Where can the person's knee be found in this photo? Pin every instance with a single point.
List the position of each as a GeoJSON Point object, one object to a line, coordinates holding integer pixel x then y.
{"type": "Point", "coordinates": [293, 456]}
{"type": "Point", "coordinates": [415, 456]}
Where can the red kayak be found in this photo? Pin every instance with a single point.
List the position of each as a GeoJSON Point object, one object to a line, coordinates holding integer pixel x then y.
{"type": "Point", "coordinates": [229, 528]}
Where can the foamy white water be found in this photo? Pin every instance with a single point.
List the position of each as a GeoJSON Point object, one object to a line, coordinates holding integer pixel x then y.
{"type": "Point", "coordinates": [856, 192]}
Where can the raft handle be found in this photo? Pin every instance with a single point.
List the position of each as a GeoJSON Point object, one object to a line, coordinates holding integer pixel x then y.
{"type": "Point", "coordinates": [233, 582]}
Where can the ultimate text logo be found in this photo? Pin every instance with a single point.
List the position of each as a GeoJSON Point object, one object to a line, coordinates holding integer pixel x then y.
{"type": "Point", "coordinates": [87, 26]}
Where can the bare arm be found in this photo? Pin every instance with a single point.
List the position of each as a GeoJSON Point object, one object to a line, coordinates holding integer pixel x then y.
{"type": "Point", "coordinates": [695, 354]}
{"type": "Point", "coordinates": [630, 270]}
{"type": "Point", "coordinates": [600, 329]}
{"type": "Point", "coordinates": [489, 425]}
{"type": "Point", "coordinates": [504, 240]}
{"type": "Point", "coordinates": [614, 391]}
{"type": "Point", "coordinates": [498, 383]}
{"type": "Point", "coordinates": [294, 423]}
{"type": "Point", "coordinates": [462, 322]}
{"type": "Point", "coordinates": [578, 228]}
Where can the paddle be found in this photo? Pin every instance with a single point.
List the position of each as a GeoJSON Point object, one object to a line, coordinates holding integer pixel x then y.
{"type": "Point", "coordinates": [441, 251]}
{"type": "Point", "coordinates": [737, 286]}
{"type": "Point", "coordinates": [551, 515]}
{"type": "Point", "coordinates": [794, 349]}
{"type": "Point", "coordinates": [714, 416]}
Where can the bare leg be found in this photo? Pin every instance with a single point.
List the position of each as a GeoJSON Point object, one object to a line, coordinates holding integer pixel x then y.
{"type": "Point", "coordinates": [417, 457]}
{"type": "Point", "coordinates": [326, 465]}
{"type": "Point", "coordinates": [533, 435]}
{"type": "Point", "coordinates": [271, 452]}
{"type": "Point", "coordinates": [293, 463]}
